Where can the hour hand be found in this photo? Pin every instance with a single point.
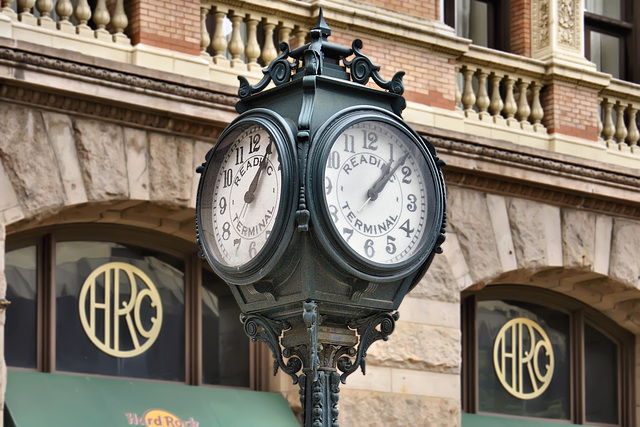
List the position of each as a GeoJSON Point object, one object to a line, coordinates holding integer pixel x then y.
{"type": "Point", "coordinates": [250, 194]}
{"type": "Point", "coordinates": [387, 173]}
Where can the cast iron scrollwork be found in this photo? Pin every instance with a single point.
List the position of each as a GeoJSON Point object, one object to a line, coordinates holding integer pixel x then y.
{"type": "Point", "coordinates": [362, 68]}
{"type": "Point", "coordinates": [278, 71]}
{"type": "Point", "coordinates": [268, 331]}
{"type": "Point", "coordinates": [367, 329]}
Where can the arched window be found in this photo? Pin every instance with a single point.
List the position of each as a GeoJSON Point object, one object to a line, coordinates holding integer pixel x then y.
{"type": "Point", "coordinates": [119, 301]}
{"type": "Point", "coordinates": [531, 353]}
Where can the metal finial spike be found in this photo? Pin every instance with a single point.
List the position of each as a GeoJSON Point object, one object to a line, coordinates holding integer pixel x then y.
{"type": "Point", "coordinates": [322, 26]}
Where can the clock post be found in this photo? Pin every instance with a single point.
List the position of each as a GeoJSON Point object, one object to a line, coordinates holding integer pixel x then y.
{"type": "Point", "coordinates": [321, 208]}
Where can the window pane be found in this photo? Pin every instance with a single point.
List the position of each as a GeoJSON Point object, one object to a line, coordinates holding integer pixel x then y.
{"type": "Point", "coordinates": [608, 8]}
{"type": "Point", "coordinates": [225, 346]}
{"type": "Point", "coordinates": [601, 372]}
{"type": "Point", "coordinates": [471, 21]}
{"type": "Point", "coordinates": [119, 311]}
{"type": "Point", "coordinates": [605, 53]}
{"type": "Point", "coordinates": [523, 360]}
{"type": "Point", "coordinates": [22, 315]}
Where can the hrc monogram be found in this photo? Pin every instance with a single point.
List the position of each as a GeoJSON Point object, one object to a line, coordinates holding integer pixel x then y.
{"type": "Point", "coordinates": [108, 310]}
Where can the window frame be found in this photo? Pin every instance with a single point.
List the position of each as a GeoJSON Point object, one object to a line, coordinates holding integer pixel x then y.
{"type": "Point", "coordinates": [624, 31]}
{"type": "Point", "coordinates": [580, 314]}
{"type": "Point", "coordinates": [45, 239]}
{"type": "Point", "coordinates": [498, 30]}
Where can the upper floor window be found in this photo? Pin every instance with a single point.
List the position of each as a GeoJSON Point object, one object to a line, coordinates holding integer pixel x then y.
{"type": "Point", "coordinates": [482, 21]}
{"type": "Point", "coordinates": [530, 353]}
{"type": "Point", "coordinates": [609, 36]}
{"type": "Point", "coordinates": [119, 302]}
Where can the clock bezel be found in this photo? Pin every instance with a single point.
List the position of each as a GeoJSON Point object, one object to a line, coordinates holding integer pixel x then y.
{"type": "Point", "coordinates": [331, 240]}
{"type": "Point", "coordinates": [266, 258]}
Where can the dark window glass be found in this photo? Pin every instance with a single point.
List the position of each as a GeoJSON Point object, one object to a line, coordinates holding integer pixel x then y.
{"type": "Point", "coordinates": [523, 360]}
{"type": "Point", "coordinates": [118, 289]}
{"type": "Point", "coordinates": [601, 379]}
{"type": "Point", "coordinates": [21, 317]}
{"type": "Point", "coordinates": [225, 346]}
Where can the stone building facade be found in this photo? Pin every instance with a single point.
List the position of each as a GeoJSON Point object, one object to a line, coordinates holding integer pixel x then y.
{"type": "Point", "coordinates": [104, 120]}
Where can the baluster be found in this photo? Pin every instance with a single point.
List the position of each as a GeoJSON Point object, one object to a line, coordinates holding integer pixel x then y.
{"type": "Point", "coordinates": [236, 46]}
{"type": "Point", "coordinates": [459, 82]}
{"type": "Point", "coordinates": [537, 112]}
{"type": "Point", "coordinates": [523, 111]}
{"type": "Point", "coordinates": [468, 97]}
{"type": "Point", "coordinates": [496, 105]}
{"type": "Point", "coordinates": [219, 42]}
{"type": "Point", "coordinates": [634, 134]}
{"type": "Point", "coordinates": [83, 14]}
{"type": "Point", "coordinates": [621, 129]}
{"type": "Point", "coordinates": [301, 36]}
{"type": "Point", "coordinates": [252, 50]}
{"type": "Point", "coordinates": [45, 7]}
{"type": "Point", "coordinates": [205, 40]}
{"type": "Point", "coordinates": [120, 23]}
{"type": "Point", "coordinates": [7, 10]}
{"type": "Point", "coordinates": [284, 33]}
{"type": "Point", "coordinates": [510, 106]}
{"type": "Point", "coordinates": [101, 18]}
{"type": "Point", "coordinates": [600, 126]}
{"type": "Point", "coordinates": [269, 52]}
{"type": "Point", "coordinates": [483, 97]}
{"type": "Point", "coordinates": [64, 9]}
{"type": "Point", "coordinates": [608, 129]}
{"type": "Point", "coordinates": [24, 12]}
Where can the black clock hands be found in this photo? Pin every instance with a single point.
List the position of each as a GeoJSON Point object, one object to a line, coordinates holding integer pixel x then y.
{"type": "Point", "coordinates": [250, 194]}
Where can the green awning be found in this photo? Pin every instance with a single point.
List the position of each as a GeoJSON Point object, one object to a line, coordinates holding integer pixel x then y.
{"type": "Point", "coordinates": [38, 399]}
{"type": "Point", "coordinates": [475, 420]}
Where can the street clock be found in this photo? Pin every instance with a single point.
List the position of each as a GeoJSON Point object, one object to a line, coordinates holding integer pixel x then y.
{"type": "Point", "coordinates": [246, 195]}
{"type": "Point", "coordinates": [376, 192]}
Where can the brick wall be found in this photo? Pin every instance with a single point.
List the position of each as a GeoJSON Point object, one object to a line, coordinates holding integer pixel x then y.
{"type": "Point", "coordinates": [570, 111]}
{"type": "Point", "coordinates": [169, 25]}
{"type": "Point", "coordinates": [428, 9]}
{"type": "Point", "coordinates": [520, 27]}
{"type": "Point", "coordinates": [429, 78]}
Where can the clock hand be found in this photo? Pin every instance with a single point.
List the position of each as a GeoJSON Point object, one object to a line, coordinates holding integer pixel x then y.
{"type": "Point", "coordinates": [387, 173]}
{"type": "Point", "coordinates": [249, 196]}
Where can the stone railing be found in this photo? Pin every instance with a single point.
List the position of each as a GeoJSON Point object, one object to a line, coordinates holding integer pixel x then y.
{"type": "Point", "coordinates": [246, 40]}
{"type": "Point", "coordinates": [503, 90]}
{"type": "Point", "coordinates": [619, 104]}
{"type": "Point", "coordinates": [108, 17]}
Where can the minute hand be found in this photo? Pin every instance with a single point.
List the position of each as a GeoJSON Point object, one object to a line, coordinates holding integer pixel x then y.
{"type": "Point", "coordinates": [250, 194]}
{"type": "Point", "coordinates": [379, 185]}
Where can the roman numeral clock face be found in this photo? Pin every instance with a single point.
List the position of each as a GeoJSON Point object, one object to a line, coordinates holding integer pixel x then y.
{"type": "Point", "coordinates": [376, 181]}
{"type": "Point", "coordinates": [246, 194]}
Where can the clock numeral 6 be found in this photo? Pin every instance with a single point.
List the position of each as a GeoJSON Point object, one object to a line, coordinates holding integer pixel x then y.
{"type": "Point", "coordinates": [368, 248]}
{"type": "Point", "coordinates": [252, 249]}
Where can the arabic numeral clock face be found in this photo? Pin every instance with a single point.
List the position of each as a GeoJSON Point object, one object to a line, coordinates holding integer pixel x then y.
{"type": "Point", "coordinates": [241, 195]}
{"type": "Point", "coordinates": [378, 190]}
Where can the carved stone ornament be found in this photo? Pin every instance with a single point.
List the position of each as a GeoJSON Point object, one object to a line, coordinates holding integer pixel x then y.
{"type": "Point", "coordinates": [541, 24]}
{"type": "Point", "coordinates": [569, 27]}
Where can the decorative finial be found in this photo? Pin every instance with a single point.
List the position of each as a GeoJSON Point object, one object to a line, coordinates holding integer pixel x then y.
{"type": "Point", "coordinates": [321, 26]}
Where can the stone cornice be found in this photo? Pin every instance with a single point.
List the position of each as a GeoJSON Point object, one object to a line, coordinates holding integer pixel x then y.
{"type": "Point", "coordinates": [525, 174]}
{"type": "Point", "coordinates": [124, 96]}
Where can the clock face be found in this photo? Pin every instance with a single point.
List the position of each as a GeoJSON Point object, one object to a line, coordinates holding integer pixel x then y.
{"type": "Point", "coordinates": [246, 180]}
{"type": "Point", "coordinates": [376, 186]}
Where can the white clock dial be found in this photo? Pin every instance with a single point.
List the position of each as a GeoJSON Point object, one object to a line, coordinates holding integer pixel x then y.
{"type": "Point", "coordinates": [375, 182]}
{"type": "Point", "coordinates": [246, 194]}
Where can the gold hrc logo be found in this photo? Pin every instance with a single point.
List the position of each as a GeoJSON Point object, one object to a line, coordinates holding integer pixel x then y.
{"type": "Point", "coordinates": [115, 276]}
{"type": "Point", "coordinates": [519, 349]}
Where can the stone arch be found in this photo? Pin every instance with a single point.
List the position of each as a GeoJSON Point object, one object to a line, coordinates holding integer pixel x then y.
{"type": "Point", "coordinates": [494, 239]}
{"type": "Point", "coordinates": [60, 168]}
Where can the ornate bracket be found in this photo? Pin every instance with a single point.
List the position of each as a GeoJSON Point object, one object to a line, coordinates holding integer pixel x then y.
{"type": "Point", "coordinates": [279, 71]}
{"type": "Point", "coordinates": [262, 329]}
{"type": "Point", "coordinates": [368, 335]}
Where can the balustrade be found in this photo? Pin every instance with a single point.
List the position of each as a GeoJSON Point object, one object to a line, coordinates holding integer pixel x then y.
{"type": "Point", "coordinates": [494, 95]}
{"type": "Point", "coordinates": [245, 40]}
{"type": "Point", "coordinates": [619, 124]}
{"type": "Point", "coordinates": [108, 17]}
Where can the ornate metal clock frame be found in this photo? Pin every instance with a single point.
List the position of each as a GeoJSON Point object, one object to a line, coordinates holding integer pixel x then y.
{"type": "Point", "coordinates": [316, 303]}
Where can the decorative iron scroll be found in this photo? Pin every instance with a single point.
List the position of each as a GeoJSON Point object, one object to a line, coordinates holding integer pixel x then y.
{"type": "Point", "coordinates": [312, 57]}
